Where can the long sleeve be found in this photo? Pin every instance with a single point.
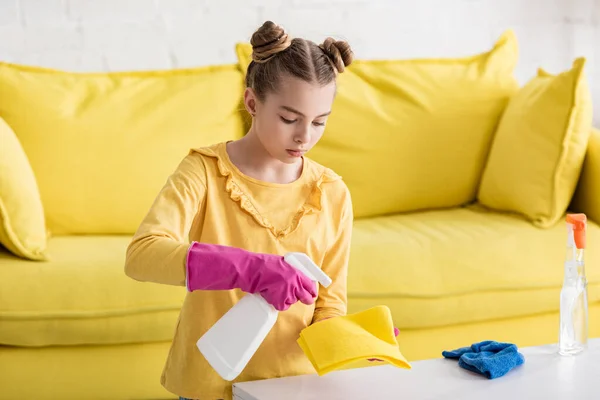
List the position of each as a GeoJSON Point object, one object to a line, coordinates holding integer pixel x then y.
{"type": "Point", "coordinates": [158, 249]}
{"type": "Point", "coordinates": [333, 301]}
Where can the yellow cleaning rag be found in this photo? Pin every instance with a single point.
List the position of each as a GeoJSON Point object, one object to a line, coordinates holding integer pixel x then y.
{"type": "Point", "coordinates": [350, 341]}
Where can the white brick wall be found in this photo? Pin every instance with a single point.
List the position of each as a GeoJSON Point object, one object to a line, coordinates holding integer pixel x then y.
{"type": "Point", "coordinates": [87, 35]}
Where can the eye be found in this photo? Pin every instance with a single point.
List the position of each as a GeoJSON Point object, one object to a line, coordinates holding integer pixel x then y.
{"type": "Point", "coordinates": [287, 121]}
{"type": "Point", "coordinates": [319, 123]}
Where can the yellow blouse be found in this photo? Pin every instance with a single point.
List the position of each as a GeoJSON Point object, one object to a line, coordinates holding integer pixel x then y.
{"type": "Point", "coordinates": [208, 199]}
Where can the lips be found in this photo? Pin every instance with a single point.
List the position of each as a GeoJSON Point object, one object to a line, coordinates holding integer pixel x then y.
{"type": "Point", "coordinates": [296, 153]}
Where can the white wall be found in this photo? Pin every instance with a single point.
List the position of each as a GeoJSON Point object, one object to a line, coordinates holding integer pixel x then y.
{"type": "Point", "coordinates": [87, 35]}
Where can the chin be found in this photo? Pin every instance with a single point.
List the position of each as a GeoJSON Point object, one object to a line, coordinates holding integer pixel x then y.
{"type": "Point", "coordinates": [290, 160]}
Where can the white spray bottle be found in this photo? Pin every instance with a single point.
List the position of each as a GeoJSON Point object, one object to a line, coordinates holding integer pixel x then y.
{"type": "Point", "coordinates": [231, 342]}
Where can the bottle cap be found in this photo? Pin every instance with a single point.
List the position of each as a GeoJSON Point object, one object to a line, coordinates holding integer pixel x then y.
{"type": "Point", "coordinates": [579, 222]}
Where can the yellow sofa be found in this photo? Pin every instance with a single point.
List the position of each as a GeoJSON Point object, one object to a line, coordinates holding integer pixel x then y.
{"type": "Point", "coordinates": [457, 253]}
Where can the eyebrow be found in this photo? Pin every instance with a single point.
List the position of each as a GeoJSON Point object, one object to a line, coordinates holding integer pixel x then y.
{"type": "Point", "coordinates": [290, 109]}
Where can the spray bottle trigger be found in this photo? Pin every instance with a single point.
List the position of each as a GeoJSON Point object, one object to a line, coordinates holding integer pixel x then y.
{"type": "Point", "coordinates": [303, 263]}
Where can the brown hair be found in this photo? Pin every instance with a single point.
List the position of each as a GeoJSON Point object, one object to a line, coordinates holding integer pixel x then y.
{"type": "Point", "coordinates": [274, 55]}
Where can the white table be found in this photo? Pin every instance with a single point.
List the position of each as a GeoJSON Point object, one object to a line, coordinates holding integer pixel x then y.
{"type": "Point", "coordinates": [544, 375]}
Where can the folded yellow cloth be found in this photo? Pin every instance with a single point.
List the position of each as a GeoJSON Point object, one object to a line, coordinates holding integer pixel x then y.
{"type": "Point", "coordinates": [350, 341]}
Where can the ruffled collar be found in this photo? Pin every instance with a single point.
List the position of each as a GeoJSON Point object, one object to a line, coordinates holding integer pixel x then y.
{"type": "Point", "coordinates": [312, 173]}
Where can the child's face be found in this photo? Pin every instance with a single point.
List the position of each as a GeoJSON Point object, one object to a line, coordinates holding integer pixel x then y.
{"type": "Point", "coordinates": [290, 122]}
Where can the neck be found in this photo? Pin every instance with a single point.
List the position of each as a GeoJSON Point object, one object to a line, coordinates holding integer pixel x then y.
{"type": "Point", "coordinates": [254, 152]}
{"type": "Point", "coordinates": [251, 158]}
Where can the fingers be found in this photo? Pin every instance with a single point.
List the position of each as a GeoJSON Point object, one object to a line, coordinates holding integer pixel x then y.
{"type": "Point", "coordinates": [304, 296]}
{"type": "Point", "coordinates": [281, 306]}
{"type": "Point", "coordinates": [308, 285]}
{"type": "Point", "coordinates": [306, 290]}
{"type": "Point", "coordinates": [276, 300]}
{"type": "Point", "coordinates": [300, 289]}
{"type": "Point", "coordinates": [396, 331]}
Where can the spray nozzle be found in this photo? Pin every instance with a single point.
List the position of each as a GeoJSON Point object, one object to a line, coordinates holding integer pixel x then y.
{"type": "Point", "coordinates": [579, 222]}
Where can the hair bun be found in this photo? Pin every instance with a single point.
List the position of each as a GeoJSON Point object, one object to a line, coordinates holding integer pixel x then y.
{"type": "Point", "coordinates": [339, 52]}
{"type": "Point", "coordinates": [267, 41]}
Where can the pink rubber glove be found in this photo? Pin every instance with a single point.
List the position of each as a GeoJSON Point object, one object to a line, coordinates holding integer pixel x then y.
{"type": "Point", "coordinates": [216, 267]}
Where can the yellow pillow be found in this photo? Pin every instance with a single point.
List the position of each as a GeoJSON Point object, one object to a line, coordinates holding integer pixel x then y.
{"type": "Point", "coordinates": [103, 144]}
{"type": "Point", "coordinates": [415, 134]}
{"type": "Point", "coordinates": [587, 195]}
{"type": "Point", "coordinates": [22, 225]}
{"type": "Point", "coordinates": [539, 148]}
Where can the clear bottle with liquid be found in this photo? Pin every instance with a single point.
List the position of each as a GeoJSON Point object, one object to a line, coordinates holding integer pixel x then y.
{"type": "Point", "coordinates": [573, 333]}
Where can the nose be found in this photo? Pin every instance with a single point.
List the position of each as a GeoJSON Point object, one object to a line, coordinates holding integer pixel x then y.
{"type": "Point", "coordinates": [302, 135]}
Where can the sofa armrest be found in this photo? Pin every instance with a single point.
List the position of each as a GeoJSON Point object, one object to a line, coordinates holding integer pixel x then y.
{"type": "Point", "coordinates": [587, 195]}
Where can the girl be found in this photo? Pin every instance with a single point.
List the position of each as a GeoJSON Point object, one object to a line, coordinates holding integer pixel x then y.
{"type": "Point", "coordinates": [229, 212]}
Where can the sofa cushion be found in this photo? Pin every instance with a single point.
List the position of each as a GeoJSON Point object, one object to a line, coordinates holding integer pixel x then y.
{"type": "Point", "coordinates": [82, 296]}
{"type": "Point", "coordinates": [22, 223]}
{"type": "Point", "coordinates": [539, 148]}
{"type": "Point", "coordinates": [415, 134]}
{"type": "Point", "coordinates": [431, 269]}
{"type": "Point", "coordinates": [102, 144]}
{"type": "Point", "coordinates": [446, 267]}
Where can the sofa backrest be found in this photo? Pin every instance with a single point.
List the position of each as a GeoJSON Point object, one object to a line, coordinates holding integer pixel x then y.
{"type": "Point", "coordinates": [405, 135]}
{"type": "Point", "coordinates": [410, 135]}
{"type": "Point", "coordinates": [102, 145]}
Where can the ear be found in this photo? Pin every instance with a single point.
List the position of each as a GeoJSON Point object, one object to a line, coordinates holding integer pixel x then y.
{"type": "Point", "coordinates": [250, 101]}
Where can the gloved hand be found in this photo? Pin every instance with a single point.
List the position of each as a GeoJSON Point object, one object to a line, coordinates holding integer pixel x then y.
{"type": "Point", "coordinates": [216, 267]}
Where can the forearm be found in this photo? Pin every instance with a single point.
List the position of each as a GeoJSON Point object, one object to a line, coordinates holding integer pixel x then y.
{"type": "Point", "coordinates": [156, 259]}
{"type": "Point", "coordinates": [157, 252]}
{"type": "Point", "coordinates": [587, 196]}
{"type": "Point", "coordinates": [333, 300]}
